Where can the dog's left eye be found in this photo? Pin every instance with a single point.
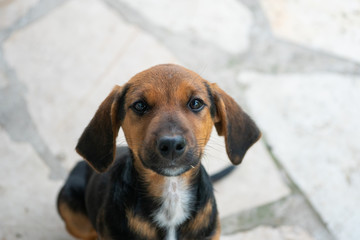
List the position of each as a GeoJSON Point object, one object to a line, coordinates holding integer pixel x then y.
{"type": "Point", "coordinates": [140, 107]}
{"type": "Point", "coordinates": [196, 104]}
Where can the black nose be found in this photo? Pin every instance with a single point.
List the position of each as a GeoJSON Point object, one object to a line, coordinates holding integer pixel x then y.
{"type": "Point", "coordinates": [171, 147]}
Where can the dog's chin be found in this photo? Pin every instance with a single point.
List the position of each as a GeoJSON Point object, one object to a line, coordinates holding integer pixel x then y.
{"type": "Point", "coordinates": [171, 171]}
{"type": "Point", "coordinates": [165, 168]}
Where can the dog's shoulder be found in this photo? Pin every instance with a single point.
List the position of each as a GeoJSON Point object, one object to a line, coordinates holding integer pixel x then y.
{"type": "Point", "coordinates": [122, 170]}
{"type": "Point", "coordinates": [122, 166]}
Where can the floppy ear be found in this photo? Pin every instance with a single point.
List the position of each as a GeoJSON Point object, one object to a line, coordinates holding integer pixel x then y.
{"type": "Point", "coordinates": [97, 143]}
{"type": "Point", "coordinates": [231, 121]}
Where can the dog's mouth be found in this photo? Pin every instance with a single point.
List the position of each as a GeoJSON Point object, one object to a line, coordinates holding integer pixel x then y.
{"type": "Point", "coordinates": [170, 168]}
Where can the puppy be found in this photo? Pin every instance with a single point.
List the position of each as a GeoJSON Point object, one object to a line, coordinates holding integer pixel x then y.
{"type": "Point", "coordinates": [156, 188]}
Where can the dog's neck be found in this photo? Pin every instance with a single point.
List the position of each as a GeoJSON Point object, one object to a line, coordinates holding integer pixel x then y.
{"type": "Point", "coordinates": [175, 207]}
{"type": "Point", "coordinates": [176, 196]}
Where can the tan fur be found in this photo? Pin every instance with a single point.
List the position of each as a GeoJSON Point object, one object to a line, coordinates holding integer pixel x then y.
{"type": "Point", "coordinates": [154, 181]}
{"type": "Point", "coordinates": [217, 234]}
{"type": "Point", "coordinates": [141, 226]}
{"type": "Point", "coordinates": [201, 219]}
{"type": "Point", "coordinates": [77, 224]}
{"type": "Point", "coordinates": [139, 131]}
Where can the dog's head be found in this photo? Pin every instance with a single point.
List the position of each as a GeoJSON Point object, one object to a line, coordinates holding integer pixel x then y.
{"type": "Point", "coordinates": [167, 113]}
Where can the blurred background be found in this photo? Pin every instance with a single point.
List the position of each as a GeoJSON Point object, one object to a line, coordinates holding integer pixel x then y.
{"type": "Point", "coordinates": [293, 65]}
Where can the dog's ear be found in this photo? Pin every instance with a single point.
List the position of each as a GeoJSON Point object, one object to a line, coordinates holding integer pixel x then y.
{"type": "Point", "coordinates": [234, 124]}
{"type": "Point", "coordinates": [97, 143]}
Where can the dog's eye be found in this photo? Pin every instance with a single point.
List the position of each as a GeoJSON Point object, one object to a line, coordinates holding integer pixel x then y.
{"type": "Point", "coordinates": [196, 105]}
{"type": "Point", "coordinates": [140, 107]}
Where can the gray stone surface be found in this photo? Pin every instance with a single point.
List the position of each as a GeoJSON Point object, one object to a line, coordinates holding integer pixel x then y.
{"type": "Point", "coordinates": [64, 89]}
{"type": "Point", "coordinates": [268, 233]}
{"type": "Point", "coordinates": [299, 65]}
{"type": "Point", "coordinates": [67, 80]}
{"type": "Point", "coordinates": [255, 182]}
{"type": "Point", "coordinates": [12, 10]}
{"type": "Point", "coordinates": [311, 122]}
{"type": "Point", "coordinates": [204, 19]}
{"type": "Point", "coordinates": [27, 196]}
{"type": "Point", "coordinates": [3, 80]}
{"type": "Point", "coordinates": [293, 210]}
{"type": "Point", "coordinates": [332, 26]}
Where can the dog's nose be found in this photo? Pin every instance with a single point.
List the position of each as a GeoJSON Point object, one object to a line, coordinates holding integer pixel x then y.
{"type": "Point", "coordinates": [171, 147]}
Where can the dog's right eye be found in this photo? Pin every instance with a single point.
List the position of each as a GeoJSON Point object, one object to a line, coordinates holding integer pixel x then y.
{"type": "Point", "coordinates": [140, 107]}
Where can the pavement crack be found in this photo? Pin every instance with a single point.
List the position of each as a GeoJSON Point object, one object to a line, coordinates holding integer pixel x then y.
{"type": "Point", "coordinates": [18, 123]}
{"type": "Point", "coordinates": [271, 54]}
{"type": "Point", "coordinates": [42, 8]}
{"type": "Point", "coordinates": [292, 210]}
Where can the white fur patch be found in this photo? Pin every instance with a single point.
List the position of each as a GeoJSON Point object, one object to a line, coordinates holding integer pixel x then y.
{"type": "Point", "coordinates": [175, 207]}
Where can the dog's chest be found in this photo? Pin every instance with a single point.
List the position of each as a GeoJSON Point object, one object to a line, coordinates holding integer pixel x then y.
{"type": "Point", "coordinates": [175, 207]}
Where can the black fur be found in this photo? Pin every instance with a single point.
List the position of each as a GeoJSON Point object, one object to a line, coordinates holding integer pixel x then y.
{"type": "Point", "coordinates": [121, 102]}
{"type": "Point", "coordinates": [104, 198]}
{"type": "Point", "coordinates": [73, 191]}
{"type": "Point", "coordinates": [97, 142]}
{"type": "Point", "coordinates": [212, 100]}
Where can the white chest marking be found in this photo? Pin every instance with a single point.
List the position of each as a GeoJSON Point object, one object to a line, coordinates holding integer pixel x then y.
{"type": "Point", "coordinates": [175, 207]}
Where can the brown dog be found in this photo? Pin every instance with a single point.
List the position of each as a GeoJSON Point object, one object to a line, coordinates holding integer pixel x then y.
{"type": "Point", "coordinates": [157, 187]}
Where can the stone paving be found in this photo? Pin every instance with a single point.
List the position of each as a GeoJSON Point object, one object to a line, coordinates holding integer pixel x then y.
{"type": "Point", "coordinates": [293, 65]}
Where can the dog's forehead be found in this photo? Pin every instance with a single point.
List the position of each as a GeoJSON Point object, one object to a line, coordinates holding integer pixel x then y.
{"type": "Point", "coordinates": [165, 74]}
{"type": "Point", "coordinates": [166, 81]}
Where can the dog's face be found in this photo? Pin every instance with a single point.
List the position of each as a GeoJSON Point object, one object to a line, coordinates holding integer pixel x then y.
{"type": "Point", "coordinates": [167, 120]}
{"type": "Point", "coordinates": [167, 113]}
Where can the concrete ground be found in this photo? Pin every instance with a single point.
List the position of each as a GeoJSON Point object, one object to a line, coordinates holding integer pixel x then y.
{"type": "Point", "coordinates": [294, 66]}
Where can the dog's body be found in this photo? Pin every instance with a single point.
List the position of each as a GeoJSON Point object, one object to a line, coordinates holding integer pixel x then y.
{"type": "Point", "coordinates": [157, 187]}
{"type": "Point", "coordinates": [119, 205]}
